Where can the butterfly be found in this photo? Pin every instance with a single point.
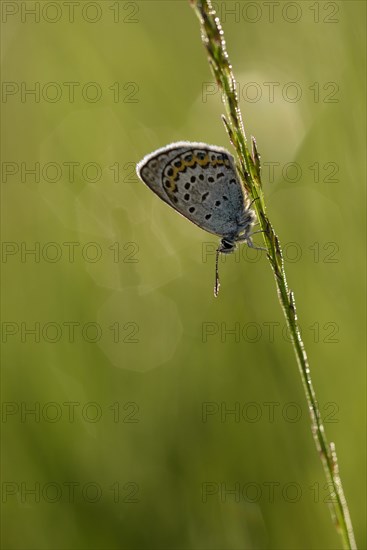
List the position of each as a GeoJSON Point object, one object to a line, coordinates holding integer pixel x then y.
{"type": "Point", "coordinates": [200, 182]}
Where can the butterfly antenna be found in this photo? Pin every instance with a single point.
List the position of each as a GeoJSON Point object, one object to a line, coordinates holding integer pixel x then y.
{"type": "Point", "coordinates": [217, 283]}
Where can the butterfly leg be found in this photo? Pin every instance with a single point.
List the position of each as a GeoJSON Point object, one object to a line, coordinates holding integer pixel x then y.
{"type": "Point", "coordinates": [255, 232]}
{"type": "Point", "coordinates": [253, 200]}
{"type": "Point", "coordinates": [250, 244]}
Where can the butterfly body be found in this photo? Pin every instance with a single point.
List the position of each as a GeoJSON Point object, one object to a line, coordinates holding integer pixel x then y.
{"type": "Point", "coordinates": [200, 182]}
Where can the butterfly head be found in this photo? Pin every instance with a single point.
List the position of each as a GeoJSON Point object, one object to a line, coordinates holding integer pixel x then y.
{"type": "Point", "coordinates": [226, 246]}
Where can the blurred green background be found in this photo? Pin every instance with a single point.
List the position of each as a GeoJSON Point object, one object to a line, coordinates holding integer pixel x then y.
{"type": "Point", "coordinates": [132, 370]}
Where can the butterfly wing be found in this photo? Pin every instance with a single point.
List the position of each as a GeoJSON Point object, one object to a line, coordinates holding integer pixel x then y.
{"type": "Point", "coordinates": [150, 168]}
{"type": "Point", "coordinates": [200, 182]}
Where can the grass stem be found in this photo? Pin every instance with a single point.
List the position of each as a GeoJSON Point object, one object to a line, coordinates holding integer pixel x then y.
{"type": "Point", "coordinates": [249, 168]}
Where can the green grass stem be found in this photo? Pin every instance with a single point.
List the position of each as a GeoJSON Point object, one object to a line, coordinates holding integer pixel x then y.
{"type": "Point", "coordinates": [249, 169]}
